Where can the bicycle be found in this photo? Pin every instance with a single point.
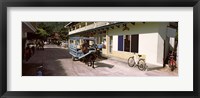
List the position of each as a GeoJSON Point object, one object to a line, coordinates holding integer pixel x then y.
{"type": "Point", "coordinates": [172, 61]}
{"type": "Point", "coordinates": [137, 61]}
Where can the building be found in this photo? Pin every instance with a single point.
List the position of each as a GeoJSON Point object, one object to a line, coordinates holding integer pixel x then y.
{"type": "Point", "coordinates": [28, 27]}
{"type": "Point", "coordinates": [153, 40]}
{"type": "Point", "coordinates": [28, 31]}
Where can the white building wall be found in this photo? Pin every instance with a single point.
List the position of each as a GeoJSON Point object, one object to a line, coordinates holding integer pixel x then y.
{"type": "Point", "coordinates": [115, 43]}
{"type": "Point", "coordinates": [172, 42]}
{"type": "Point", "coordinates": [148, 44]}
{"type": "Point", "coordinates": [151, 40]}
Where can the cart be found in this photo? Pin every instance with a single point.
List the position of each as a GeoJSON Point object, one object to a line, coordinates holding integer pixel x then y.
{"type": "Point", "coordinates": [76, 50]}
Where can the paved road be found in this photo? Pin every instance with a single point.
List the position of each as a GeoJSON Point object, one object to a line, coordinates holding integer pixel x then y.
{"type": "Point", "coordinates": [57, 62]}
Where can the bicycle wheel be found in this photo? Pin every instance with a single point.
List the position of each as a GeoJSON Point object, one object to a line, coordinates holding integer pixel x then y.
{"type": "Point", "coordinates": [173, 65]}
{"type": "Point", "coordinates": [131, 61]}
{"type": "Point", "coordinates": [142, 65]}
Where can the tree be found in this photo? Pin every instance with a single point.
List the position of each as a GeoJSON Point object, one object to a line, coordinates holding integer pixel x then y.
{"type": "Point", "coordinates": [49, 28]}
{"type": "Point", "coordinates": [42, 32]}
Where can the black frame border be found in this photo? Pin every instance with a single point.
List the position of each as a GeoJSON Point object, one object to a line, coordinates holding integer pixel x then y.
{"type": "Point", "coordinates": [101, 3]}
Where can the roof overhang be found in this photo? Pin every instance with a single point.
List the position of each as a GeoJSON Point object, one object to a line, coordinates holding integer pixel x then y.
{"type": "Point", "coordinates": [67, 24]}
{"type": "Point", "coordinates": [30, 26]}
{"type": "Point", "coordinates": [102, 27]}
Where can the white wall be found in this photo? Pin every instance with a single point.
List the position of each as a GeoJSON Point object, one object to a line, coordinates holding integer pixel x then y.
{"type": "Point", "coordinates": [151, 39]}
{"type": "Point", "coordinates": [172, 41]}
{"type": "Point", "coordinates": [148, 39]}
{"type": "Point", "coordinates": [115, 43]}
{"type": "Point", "coordinates": [148, 46]}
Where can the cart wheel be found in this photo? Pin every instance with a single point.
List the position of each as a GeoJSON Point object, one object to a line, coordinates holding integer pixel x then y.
{"type": "Point", "coordinates": [73, 58]}
{"type": "Point", "coordinates": [173, 67]}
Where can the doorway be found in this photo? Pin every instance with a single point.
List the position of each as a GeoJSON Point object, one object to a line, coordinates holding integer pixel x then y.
{"type": "Point", "coordinates": [111, 44]}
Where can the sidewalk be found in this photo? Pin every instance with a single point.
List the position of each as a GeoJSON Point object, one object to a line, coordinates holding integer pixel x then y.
{"type": "Point", "coordinates": [151, 67]}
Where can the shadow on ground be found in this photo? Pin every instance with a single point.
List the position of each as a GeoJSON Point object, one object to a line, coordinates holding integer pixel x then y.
{"type": "Point", "coordinates": [29, 69]}
{"type": "Point", "coordinates": [58, 53]}
{"type": "Point", "coordinates": [49, 59]}
{"type": "Point", "coordinates": [98, 64]}
{"type": "Point", "coordinates": [54, 69]}
{"type": "Point", "coordinates": [32, 69]}
{"type": "Point", "coordinates": [154, 68]}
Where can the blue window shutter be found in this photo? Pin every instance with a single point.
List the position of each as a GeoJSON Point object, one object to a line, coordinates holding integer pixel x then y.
{"type": "Point", "coordinates": [120, 42]}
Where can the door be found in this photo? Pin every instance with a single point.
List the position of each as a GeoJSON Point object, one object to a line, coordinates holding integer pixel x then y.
{"type": "Point", "coordinates": [111, 44]}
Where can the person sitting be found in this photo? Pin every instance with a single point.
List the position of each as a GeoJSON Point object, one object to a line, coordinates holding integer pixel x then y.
{"type": "Point", "coordinates": [100, 46]}
{"type": "Point", "coordinates": [84, 47]}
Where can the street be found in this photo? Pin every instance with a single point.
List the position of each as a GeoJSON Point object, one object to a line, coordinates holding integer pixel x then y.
{"type": "Point", "coordinates": [57, 61]}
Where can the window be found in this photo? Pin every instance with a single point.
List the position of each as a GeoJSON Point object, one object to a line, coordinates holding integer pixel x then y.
{"type": "Point", "coordinates": [77, 42]}
{"type": "Point", "coordinates": [99, 39]}
{"type": "Point", "coordinates": [71, 41]}
{"type": "Point", "coordinates": [120, 42]}
{"type": "Point", "coordinates": [128, 43]}
{"type": "Point", "coordinates": [134, 43]}
{"type": "Point", "coordinates": [111, 44]}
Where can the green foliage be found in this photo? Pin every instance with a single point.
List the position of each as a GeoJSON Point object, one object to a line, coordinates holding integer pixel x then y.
{"type": "Point", "coordinates": [48, 28]}
{"type": "Point", "coordinates": [42, 32]}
